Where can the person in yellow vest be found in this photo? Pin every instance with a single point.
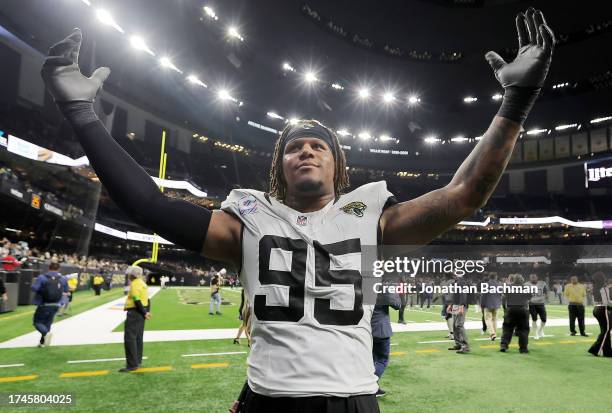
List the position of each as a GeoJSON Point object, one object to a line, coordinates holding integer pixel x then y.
{"type": "Point", "coordinates": [98, 281]}
{"type": "Point", "coordinates": [138, 307]}
{"type": "Point", "coordinates": [575, 294]}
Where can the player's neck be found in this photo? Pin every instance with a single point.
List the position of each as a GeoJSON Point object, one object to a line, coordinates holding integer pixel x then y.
{"type": "Point", "coordinates": [307, 203]}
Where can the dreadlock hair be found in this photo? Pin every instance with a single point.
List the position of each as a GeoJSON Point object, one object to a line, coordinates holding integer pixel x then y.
{"type": "Point", "coordinates": [278, 187]}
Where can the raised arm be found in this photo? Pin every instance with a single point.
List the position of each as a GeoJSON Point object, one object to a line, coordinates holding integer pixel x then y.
{"type": "Point", "coordinates": [420, 220]}
{"type": "Point", "coordinates": [216, 235]}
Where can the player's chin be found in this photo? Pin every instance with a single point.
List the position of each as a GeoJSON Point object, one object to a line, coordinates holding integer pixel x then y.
{"type": "Point", "coordinates": [308, 184]}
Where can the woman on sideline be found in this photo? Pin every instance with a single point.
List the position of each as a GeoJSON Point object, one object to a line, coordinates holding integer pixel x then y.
{"type": "Point", "coordinates": [602, 311]}
{"type": "Point", "coordinates": [244, 314]}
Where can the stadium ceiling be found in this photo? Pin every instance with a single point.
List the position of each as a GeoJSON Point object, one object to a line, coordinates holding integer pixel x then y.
{"type": "Point", "coordinates": [248, 62]}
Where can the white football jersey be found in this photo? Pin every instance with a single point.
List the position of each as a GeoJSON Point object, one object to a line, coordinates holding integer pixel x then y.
{"type": "Point", "coordinates": [540, 296]}
{"type": "Point", "coordinates": [311, 332]}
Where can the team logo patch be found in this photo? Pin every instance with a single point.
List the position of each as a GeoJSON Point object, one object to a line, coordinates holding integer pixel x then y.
{"type": "Point", "coordinates": [302, 220]}
{"type": "Point", "coordinates": [247, 205]}
{"type": "Point", "coordinates": [356, 208]}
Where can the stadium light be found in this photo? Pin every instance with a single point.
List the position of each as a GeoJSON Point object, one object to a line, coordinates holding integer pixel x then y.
{"type": "Point", "coordinates": [106, 18]}
{"type": "Point", "coordinates": [364, 93]}
{"type": "Point", "coordinates": [599, 120]}
{"type": "Point", "coordinates": [343, 132]}
{"type": "Point", "coordinates": [388, 97]}
{"type": "Point", "coordinates": [413, 100]}
{"type": "Point", "coordinates": [232, 31]}
{"type": "Point", "coordinates": [138, 43]}
{"type": "Point", "coordinates": [497, 96]}
{"type": "Point", "coordinates": [431, 140]}
{"type": "Point", "coordinates": [87, 2]}
{"type": "Point", "coordinates": [563, 127]}
{"type": "Point", "coordinates": [224, 94]}
{"type": "Point", "coordinates": [470, 99]}
{"type": "Point", "coordinates": [364, 136]}
{"type": "Point", "coordinates": [477, 138]}
{"type": "Point", "coordinates": [194, 79]}
{"type": "Point", "coordinates": [459, 139]}
{"type": "Point", "coordinates": [288, 67]}
{"type": "Point", "coordinates": [293, 121]}
{"type": "Point", "coordinates": [560, 85]}
{"type": "Point", "coordinates": [167, 63]}
{"type": "Point", "coordinates": [385, 137]}
{"type": "Point", "coordinates": [337, 86]}
{"type": "Point", "coordinates": [310, 77]}
{"type": "Point", "coordinates": [210, 13]}
{"type": "Point", "coordinates": [536, 131]}
{"type": "Point", "coordinates": [274, 115]}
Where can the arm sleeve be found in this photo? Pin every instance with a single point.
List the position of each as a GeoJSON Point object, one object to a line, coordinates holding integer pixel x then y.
{"type": "Point", "coordinates": [37, 284]}
{"type": "Point", "coordinates": [141, 309]}
{"type": "Point", "coordinates": [133, 190]}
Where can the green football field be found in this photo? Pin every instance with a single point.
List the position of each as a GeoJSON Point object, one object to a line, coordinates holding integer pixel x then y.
{"type": "Point", "coordinates": [558, 375]}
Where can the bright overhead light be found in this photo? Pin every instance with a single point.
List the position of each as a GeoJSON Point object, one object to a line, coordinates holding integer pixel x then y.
{"type": "Point", "coordinates": [337, 86]}
{"type": "Point", "coordinates": [470, 99]}
{"type": "Point", "coordinates": [477, 138]}
{"type": "Point", "coordinates": [598, 120]}
{"type": "Point", "coordinates": [459, 139]}
{"type": "Point", "coordinates": [365, 136]}
{"type": "Point", "coordinates": [413, 99]}
{"type": "Point", "coordinates": [288, 67]}
{"type": "Point", "coordinates": [497, 96]}
{"type": "Point", "coordinates": [385, 137]}
{"type": "Point", "coordinates": [563, 127]}
{"type": "Point", "coordinates": [210, 13]}
{"type": "Point", "coordinates": [310, 77]}
{"type": "Point", "coordinates": [166, 62]}
{"type": "Point", "coordinates": [87, 2]}
{"type": "Point", "coordinates": [536, 131]}
{"type": "Point", "coordinates": [138, 43]}
{"type": "Point", "coordinates": [364, 93]}
{"type": "Point", "coordinates": [560, 85]}
{"type": "Point", "coordinates": [224, 94]}
{"type": "Point", "coordinates": [388, 97]}
{"type": "Point", "coordinates": [343, 132]}
{"type": "Point", "coordinates": [233, 32]}
{"type": "Point", "coordinates": [105, 18]}
{"type": "Point", "coordinates": [194, 79]}
{"type": "Point", "coordinates": [293, 121]}
{"type": "Point", "coordinates": [274, 115]}
{"type": "Point", "coordinates": [431, 140]}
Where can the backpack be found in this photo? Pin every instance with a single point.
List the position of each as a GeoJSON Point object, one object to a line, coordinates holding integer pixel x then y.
{"type": "Point", "coordinates": [52, 290]}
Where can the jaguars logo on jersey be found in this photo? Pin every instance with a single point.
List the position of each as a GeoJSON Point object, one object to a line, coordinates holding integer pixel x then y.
{"type": "Point", "coordinates": [355, 208]}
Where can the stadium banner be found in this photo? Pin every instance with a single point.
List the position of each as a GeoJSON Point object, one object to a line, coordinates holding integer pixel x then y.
{"type": "Point", "coordinates": [32, 151]}
{"type": "Point", "coordinates": [598, 174]}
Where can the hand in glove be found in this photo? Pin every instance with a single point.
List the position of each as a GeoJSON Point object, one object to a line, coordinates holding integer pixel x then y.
{"type": "Point", "coordinates": [536, 43]}
{"type": "Point", "coordinates": [62, 76]}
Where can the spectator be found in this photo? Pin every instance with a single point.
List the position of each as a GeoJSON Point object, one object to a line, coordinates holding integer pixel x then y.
{"type": "Point", "coordinates": [491, 302]}
{"type": "Point", "coordinates": [138, 307]}
{"type": "Point", "coordinates": [381, 333]}
{"type": "Point", "coordinates": [602, 297]}
{"type": "Point", "coordinates": [575, 294]}
{"type": "Point", "coordinates": [516, 317]}
{"type": "Point", "coordinates": [49, 287]}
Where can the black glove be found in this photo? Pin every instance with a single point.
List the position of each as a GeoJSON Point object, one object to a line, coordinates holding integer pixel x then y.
{"type": "Point", "coordinates": [523, 78]}
{"type": "Point", "coordinates": [62, 76]}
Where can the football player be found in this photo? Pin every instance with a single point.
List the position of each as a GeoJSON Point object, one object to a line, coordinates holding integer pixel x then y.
{"type": "Point", "coordinates": [298, 245]}
{"type": "Point", "coordinates": [537, 305]}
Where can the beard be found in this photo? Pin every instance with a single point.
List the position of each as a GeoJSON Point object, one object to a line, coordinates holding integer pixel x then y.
{"type": "Point", "coordinates": [309, 186]}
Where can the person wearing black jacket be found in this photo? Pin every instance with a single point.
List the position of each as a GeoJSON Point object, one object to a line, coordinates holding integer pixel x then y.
{"type": "Point", "coordinates": [516, 317]}
{"type": "Point", "coordinates": [602, 311]}
{"type": "Point", "coordinates": [382, 332]}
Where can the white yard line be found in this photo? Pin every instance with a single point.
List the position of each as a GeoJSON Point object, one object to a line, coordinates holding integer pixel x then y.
{"type": "Point", "coordinates": [99, 360]}
{"type": "Point", "coordinates": [3, 366]}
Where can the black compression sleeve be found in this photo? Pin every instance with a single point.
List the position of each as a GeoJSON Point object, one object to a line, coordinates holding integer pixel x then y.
{"type": "Point", "coordinates": [141, 309]}
{"type": "Point", "coordinates": [134, 191]}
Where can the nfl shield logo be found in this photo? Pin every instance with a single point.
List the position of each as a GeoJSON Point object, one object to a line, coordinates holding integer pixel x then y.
{"type": "Point", "coordinates": [302, 220]}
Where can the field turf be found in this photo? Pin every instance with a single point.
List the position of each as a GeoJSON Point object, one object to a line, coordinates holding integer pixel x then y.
{"type": "Point", "coordinates": [558, 375]}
